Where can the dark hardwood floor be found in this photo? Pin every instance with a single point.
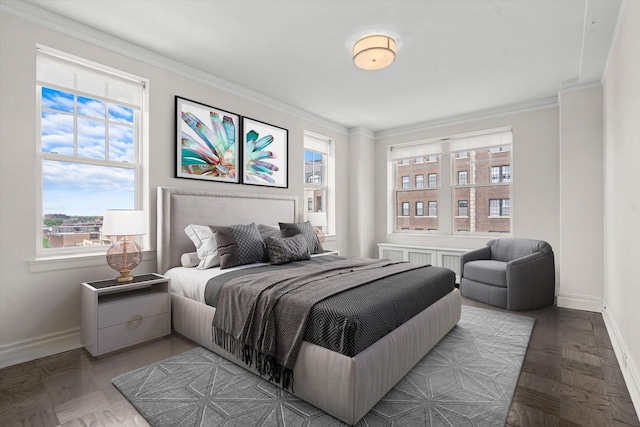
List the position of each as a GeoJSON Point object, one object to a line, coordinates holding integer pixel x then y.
{"type": "Point", "coordinates": [570, 377]}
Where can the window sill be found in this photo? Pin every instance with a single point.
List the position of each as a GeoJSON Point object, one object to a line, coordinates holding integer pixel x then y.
{"type": "Point", "coordinates": [499, 216]}
{"type": "Point", "coordinates": [68, 262]}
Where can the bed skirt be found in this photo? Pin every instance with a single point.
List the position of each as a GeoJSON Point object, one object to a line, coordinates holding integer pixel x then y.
{"type": "Point", "coordinates": [344, 387]}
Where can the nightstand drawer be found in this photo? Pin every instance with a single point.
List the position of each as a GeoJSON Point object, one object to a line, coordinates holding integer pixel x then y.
{"type": "Point", "coordinates": [128, 333]}
{"type": "Point", "coordinates": [121, 311]}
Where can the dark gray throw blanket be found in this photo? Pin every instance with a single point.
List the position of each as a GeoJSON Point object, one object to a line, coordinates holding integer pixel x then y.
{"type": "Point", "coordinates": [263, 317]}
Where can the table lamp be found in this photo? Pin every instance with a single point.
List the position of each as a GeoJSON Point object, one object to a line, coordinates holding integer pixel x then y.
{"type": "Point", "coordinates": [123, 255]}
{"type": "Point", "coordinates": [318, 219]}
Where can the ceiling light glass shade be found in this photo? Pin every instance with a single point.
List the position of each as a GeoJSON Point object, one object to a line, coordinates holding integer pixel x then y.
{"type": "Point", "coordinates": [124, 255]}
{"type": "Point", "coordinates": [374, 52]}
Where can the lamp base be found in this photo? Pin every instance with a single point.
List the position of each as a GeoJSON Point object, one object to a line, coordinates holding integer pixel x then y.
{"type": "Point", "coordinates": [123, 256]}
{"type": "Point", "coordinates": [124, 277]}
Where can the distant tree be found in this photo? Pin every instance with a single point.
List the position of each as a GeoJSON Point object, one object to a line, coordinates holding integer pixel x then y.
{"type": "Point", "coordinates": [45, 243]}
{"type": "Point", "coordinates": [53, 222]}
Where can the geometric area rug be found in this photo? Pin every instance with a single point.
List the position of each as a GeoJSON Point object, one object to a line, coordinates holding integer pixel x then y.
{"type": "Point", "coordinates": [467, 379]}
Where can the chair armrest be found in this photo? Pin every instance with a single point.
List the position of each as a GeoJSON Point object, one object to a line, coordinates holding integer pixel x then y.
{"type": "Point", "coordinates": [531, 281]}
{"type": "Point", "coordinates": [474, 255]}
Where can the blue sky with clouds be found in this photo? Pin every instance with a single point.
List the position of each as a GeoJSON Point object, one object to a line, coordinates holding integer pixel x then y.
{"type": "Point", "coordinates": [102, 131]}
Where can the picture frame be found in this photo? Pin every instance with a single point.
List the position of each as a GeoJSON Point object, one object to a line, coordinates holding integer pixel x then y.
{"type": "Point", "coordinates": [265, 154]}
{"type": "Point", "coordinates": [207, 142]}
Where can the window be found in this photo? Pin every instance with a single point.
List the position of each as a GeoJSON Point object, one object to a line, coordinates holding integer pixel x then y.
{"type": "Point", "coordinates": [319, 177]}
{"type": "Point", "coordinates": [419, 181]}
{"type": "Point", "coordinates": [405, 208]}
{"type": "Point", "coordinates": [89, 149]}
{"type": "Point", "coordinates": [462, 174]}
{"type": "Point", "coordinates": [419, 208]}
{"type": "Point", "coordinates": [501, 173]}
{"type": "Point", "coordinates": [419, 160]}
{"type": "Point", "coordinates": [499, 207]}
{"type": "Point", "coordinates": [405, 182]}
{"type": "Point", "coordinates": [433, 209]}
{"type": "Point", "coordinates": [462, 177]}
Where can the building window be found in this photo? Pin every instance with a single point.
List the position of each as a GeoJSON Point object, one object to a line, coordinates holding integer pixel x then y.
{"type": "Point", "coordinates": [466, 172]}
{"type": "Point", "coordinates": [405, 182]}
{"type": "Point", "coordinates": [89, 149]}
{"type": "Point", "coordinates": [419, 181]}
{"type": "Point", "coordinates": [405, 208]}
{"type": "Point", "coordinates": [499, 207]}
{"type": "Point", "coordinates": [463, 208]}
{"type": "Point", "coordinates": [404, 162]}
{"type": "Point", "coordinates": [463, 177]}
{"type": "Point", "coordinates": [433, 209]}
{"type": "Point", "coordinates": [319, 177]}
{"type": "Point", "coordinates": [419, 160]}
{"type": "Point", "coordinates": [419, 208]}
{"type": "Point", "coordinates": [501, 173]}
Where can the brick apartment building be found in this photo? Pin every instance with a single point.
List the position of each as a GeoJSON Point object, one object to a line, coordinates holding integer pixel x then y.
{"type": "Point", "coordinates": [480, 183]}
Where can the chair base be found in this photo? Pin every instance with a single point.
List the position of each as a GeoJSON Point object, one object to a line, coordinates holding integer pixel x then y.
{"type": "Point", "coordinates": [492, 295]}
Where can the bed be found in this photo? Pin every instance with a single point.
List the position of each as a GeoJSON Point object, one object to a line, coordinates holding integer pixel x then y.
{"type": "Point", "coordinates": [345, 387]}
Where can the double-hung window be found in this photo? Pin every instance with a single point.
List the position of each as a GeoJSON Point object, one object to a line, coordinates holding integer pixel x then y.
{"type": "Point", "coordinates": [89, 149]}
{"type": "Point", "coordinates": [419, 208]}
{"type": "Point", "coordinates": [468, 188]}
{"type": "Point", "coordinates": [319, 178]}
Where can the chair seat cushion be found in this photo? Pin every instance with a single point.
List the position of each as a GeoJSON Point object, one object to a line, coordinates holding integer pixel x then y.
{"type": "Point", "coordinates": [487, 271]}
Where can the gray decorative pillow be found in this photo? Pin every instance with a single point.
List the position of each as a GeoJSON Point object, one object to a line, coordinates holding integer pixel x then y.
{"type": "Point", "coordinates": [267, 231]}
{"type": "Point", "coordinates": [291, 229]}
{"type": "Point", "coordinates": [238, 245]}
{"type": "Point", "coordinates": [286, 249]}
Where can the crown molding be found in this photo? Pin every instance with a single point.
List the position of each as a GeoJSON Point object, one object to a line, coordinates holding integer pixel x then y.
{"type": "Point", "coordinates": [532, 105]}
{"type": "Point", "coordinates": [82, 32]}
{"type": "Point", "coordinates": [362, 131]}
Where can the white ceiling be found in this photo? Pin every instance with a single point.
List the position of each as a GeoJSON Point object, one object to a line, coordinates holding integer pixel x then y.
{"type": "Point", "coordinates": [454, 58]}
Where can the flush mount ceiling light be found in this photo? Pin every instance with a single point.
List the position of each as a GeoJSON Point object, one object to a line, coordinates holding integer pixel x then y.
{"type": "Point", "coordinates": [374, 52]}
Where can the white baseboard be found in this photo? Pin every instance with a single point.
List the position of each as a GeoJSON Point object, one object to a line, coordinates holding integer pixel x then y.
{"type": "Point", "coordinates": [580, 302]}
{"type": "Point", "coordinates": [24, 351]}
{"type": "Point", "coordinates": [628, 366]}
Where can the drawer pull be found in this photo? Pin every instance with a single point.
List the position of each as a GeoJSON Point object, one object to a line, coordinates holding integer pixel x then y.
{"type": "Point", "coordinates": [135, 321]}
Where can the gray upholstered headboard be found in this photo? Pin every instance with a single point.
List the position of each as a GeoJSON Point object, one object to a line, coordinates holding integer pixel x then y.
{"type": "Point", "coordinates": [178, 208]}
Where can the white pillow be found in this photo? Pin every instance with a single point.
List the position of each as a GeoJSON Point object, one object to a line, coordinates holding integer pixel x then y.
{"type": "Point", "coordinates": [205, 243]}
{"type": "Point", "coordinates": [190, 259]}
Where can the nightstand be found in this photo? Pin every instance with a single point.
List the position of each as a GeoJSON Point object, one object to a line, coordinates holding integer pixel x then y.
{"type": "Point", "coordinates": [116, 315]}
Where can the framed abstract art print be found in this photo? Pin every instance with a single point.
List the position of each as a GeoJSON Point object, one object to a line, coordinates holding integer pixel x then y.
{"type": "Point", "coordinates": [265, 154]}
{"type": "Point", "coordinates": [207, 142]}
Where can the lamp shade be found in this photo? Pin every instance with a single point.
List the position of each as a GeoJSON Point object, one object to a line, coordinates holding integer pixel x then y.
{"type": "Point", "coordinates": [123, 222]}
{"type": "Point", "coordinates": [317, 219]}
{"type": "Point", "coordinates": [374, 52]}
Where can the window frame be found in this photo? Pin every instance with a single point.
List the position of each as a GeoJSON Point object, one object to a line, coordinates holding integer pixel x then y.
{"type": "Point", "coordinates": [406, 209]}
{"type": "Point", "coordinates": [447, 150]}
{"type": "Point", "coordinates": [435, 180]}
{"type": "Point", "coordinates": [432, 209]}
{"type": "Point", "coordinates": [139, 130]}
{"type": "Point", "coordinates": [326, 147]}
{"type": "Point", "coordinates": [419, 208]}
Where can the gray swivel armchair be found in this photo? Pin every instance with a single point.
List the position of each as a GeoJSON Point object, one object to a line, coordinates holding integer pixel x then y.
{"type": "Point", "coordinates": [512, 273]}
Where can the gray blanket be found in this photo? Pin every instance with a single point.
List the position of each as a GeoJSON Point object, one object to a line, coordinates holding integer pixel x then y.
{"type": "Point", "coordinates": [262, 318]}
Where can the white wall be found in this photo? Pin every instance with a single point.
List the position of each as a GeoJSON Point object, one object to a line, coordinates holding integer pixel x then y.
{"type": "Point", "coordinates": [40, 302]}
{"type": "Point", "coordinates": [581, 196]}
{"type": "Point", "coordinates": [535, 190]}
{"type": "Point", "coordinates": [622, 195]}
